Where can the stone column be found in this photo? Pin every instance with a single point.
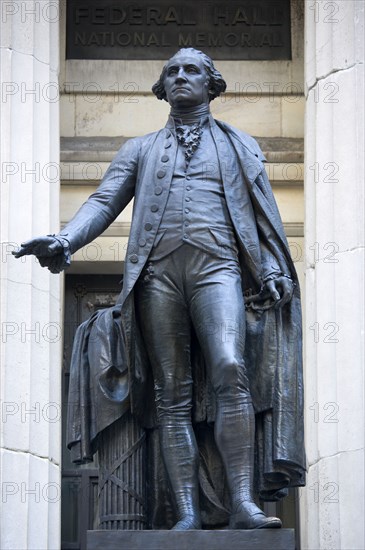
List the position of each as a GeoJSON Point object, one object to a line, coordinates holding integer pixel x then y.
{"type": "Point", "coordinates": [332, 505]}
{"type": "Point", "coordinates": [30, 295]}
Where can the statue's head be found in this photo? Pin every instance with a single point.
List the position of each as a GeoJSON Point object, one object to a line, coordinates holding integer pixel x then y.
{"type": "Point", "coordinates": [189, 78]}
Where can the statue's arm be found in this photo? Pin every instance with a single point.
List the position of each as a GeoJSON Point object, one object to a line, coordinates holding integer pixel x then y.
{"type": "Point", "coordinates": [277, 285]}
{"type": "Point", "coordinates": [95, 215]}
{"type": "Point", "coordinates": [111, 197]}
{"type": "Point", "coordinates": [276, 269]}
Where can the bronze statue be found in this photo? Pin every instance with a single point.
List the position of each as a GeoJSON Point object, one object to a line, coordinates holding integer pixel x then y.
{"type": "Point", "coordinates": [207, 271]}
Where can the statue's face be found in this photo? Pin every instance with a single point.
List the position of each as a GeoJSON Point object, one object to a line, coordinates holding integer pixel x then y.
{"type": "Point", "coordinates": [186, 81]}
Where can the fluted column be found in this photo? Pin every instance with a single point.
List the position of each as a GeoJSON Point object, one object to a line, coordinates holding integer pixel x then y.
{"type": "Point", "coordinates": [333, 502]}
{"type": "Point", "coordinates": [30, 295]}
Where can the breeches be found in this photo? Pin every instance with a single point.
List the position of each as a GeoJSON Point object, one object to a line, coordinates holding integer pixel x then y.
{"type": "Point", "coordinates": [192, 289]}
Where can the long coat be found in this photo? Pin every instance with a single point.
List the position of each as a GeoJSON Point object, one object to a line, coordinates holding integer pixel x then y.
{"type": "Point", "coordinates": [143, 169]}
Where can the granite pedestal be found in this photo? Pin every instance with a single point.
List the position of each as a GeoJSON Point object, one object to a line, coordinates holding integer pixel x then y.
{"type": "Point", "coordinates": [265, 539]}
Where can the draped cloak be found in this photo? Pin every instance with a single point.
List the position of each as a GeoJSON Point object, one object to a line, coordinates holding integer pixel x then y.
{"type": "Point", "coordinates": [110, 372]}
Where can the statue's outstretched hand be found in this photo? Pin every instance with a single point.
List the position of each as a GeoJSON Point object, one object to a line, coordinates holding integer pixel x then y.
{"type": "Point", "coordinates": [51, 252]}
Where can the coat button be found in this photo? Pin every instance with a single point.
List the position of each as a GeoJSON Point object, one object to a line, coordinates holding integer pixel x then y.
{"type": "Point", "coordinates": [158, 190]}
{"type": "Point", "coordinates": [148, 226]}
{"type": "Point", "coordinates": [133, 258]}
{"type": "Point", "coordinates": [161, 174]}
{"type": "Point", "coordinates": [167, 145]}
{"type": "Point", "coordinates": [164, 158]}
{"type": "Point", "coordinates": [168, 134]}
{"type": "Point", "coordinates": [154, 208]}
{"type": "Point", "coordinates": [142, 242]}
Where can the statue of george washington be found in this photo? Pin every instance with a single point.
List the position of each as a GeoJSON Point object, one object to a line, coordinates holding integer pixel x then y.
{"type": "Point", "coordinates": [209, 287]}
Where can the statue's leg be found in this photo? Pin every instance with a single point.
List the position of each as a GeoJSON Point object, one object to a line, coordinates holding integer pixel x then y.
{"type": "Point", "coordinates": [218, 315]}
{"type": "Point", "coordinates": [180, 456]}
{"type": "Point", "coordinates": [165, 325]}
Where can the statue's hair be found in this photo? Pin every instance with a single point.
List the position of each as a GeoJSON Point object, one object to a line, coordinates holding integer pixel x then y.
{"type": "Point", "coordinates": [216, 83]}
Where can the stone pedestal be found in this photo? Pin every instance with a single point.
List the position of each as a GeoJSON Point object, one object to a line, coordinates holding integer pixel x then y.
{"type": "Point", "coordinates": [264, 539]}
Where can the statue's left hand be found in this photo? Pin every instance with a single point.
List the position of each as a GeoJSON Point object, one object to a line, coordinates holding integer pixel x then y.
{"type": "Point", "coordinates": [280, 289]}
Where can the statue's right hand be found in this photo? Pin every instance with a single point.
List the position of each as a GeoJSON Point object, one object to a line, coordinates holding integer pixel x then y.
{"type": "Point", "coordinates": [41, 247]}
{"type": "Point", "coordinates": [51, 251]}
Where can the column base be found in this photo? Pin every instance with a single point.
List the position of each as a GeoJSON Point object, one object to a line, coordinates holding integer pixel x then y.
{"type": "Point", "coordinates": [264, 539]}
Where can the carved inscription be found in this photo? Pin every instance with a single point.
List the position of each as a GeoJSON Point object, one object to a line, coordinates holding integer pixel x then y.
{"type": "Point", "coordinates": [235, 29]}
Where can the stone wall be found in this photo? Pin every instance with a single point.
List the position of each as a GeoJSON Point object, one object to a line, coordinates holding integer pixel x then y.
{"type": "Point", "coordinates": [333, 501]}
{"type": "Point", "coordinates": [30, 296]}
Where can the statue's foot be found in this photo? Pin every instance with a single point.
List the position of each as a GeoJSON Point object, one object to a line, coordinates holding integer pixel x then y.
{"type": "Point", "coordinates": [187, 523]}
{"type": "Point", "coordinates": [250, 516]}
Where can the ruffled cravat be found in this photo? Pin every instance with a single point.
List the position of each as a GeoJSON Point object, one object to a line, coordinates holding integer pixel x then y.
{"type": "Point", "coordinates": [189, 137]}
{"type": "Point", "coordinates": [189, 126]}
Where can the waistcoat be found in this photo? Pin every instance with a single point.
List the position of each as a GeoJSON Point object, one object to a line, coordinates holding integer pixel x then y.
{"type": "Point", "coordinates": [196, 212]}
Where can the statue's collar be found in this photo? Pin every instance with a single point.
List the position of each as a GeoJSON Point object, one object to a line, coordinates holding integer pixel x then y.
{"type": "Point", "coordinates": [172, 123]}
